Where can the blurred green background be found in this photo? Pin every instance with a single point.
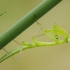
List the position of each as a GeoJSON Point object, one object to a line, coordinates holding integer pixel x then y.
{"type": "Point", "coordinates": [43, 58]}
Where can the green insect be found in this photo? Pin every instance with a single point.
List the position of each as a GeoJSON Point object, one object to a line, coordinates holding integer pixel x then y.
{"type": "Point", "coordinates": [57, 30]}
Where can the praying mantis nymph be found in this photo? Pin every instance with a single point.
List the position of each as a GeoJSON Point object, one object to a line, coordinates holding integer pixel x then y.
{"type": "Point", "coordinates": [57, 30]}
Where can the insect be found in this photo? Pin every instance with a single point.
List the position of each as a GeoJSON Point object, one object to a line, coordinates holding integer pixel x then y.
{"type": "Point", "coordinates": [57, 30]}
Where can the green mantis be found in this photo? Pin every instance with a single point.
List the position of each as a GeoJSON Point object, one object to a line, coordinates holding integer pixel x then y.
{"type": "Point", "coordinates": [57, 30]}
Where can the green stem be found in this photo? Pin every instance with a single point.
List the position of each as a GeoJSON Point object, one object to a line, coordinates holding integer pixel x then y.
{"type": "Point", "coordinates": [26, 21]}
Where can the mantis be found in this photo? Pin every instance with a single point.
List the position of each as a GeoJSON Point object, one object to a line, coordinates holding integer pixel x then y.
{"type": "Point", "coordinates": [57, 30]}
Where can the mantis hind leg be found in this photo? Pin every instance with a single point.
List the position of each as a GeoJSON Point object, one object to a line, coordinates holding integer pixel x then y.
{"type": "Point", "coordinates": [20, 51]}
{"type": "Point", "coordinates": [41, 28]}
